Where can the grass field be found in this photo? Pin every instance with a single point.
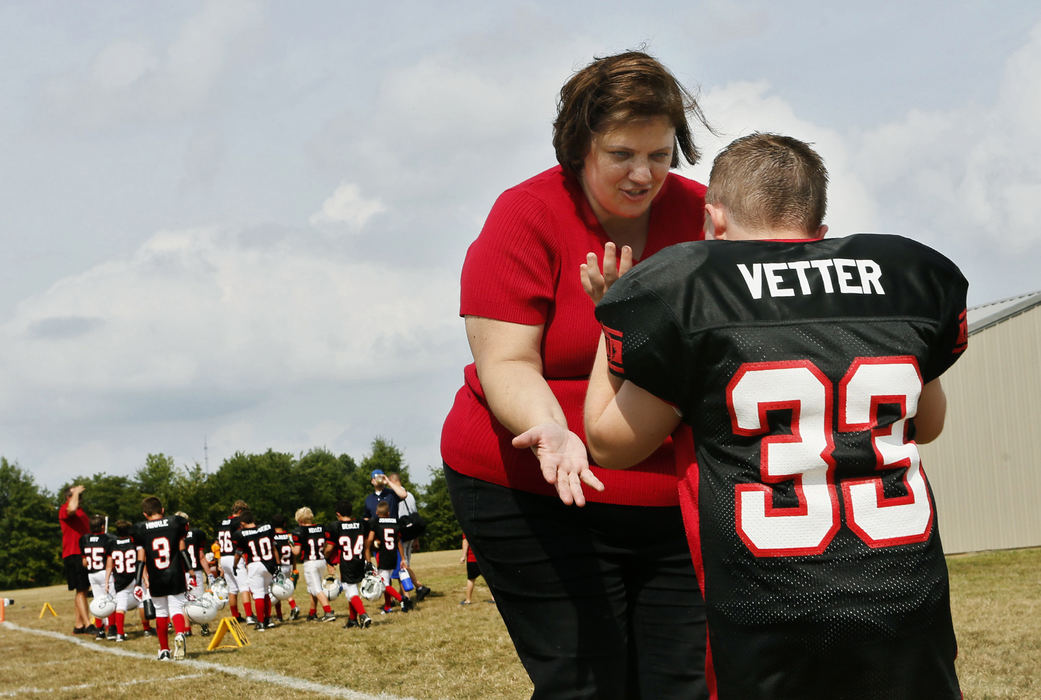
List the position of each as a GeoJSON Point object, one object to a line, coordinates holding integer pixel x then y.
{"type": "Point", "coordinates": [443, 650]}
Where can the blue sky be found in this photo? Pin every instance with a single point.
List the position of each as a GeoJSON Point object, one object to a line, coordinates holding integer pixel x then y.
{"type": "Point", "coordinates": [240, 224]}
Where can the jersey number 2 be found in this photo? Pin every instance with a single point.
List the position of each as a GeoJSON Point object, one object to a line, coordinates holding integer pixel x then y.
{"type": "Point", "coordinates": [805, 455]}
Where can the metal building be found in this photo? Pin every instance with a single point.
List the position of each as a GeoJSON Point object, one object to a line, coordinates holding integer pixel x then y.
{"type": "Point", "coordinates": [985, 469]}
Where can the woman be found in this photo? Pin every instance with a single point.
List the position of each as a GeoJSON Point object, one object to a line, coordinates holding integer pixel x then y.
{"type": "Point", "coordinates": [600, 601]}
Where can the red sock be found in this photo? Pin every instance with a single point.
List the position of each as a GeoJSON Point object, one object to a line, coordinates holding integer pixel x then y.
{"type": "Point", "coordinates": [312, 611]}
{"type": "Point", "coordinates": [357, 607]}
{"type": "Point", "coordinates": [292, 603]}
{"type": "Point", "coordinates": [120, 617]}
{"type": "Point", "coordinates": [180, 625]}
{"type": "Point", "coordinates": [160, 629]}
{"type": "Point", "coordinates": [327, 608]}
{"type": "Point", "coordinates": [98, 623]}
{"type": "Point", "coordinates": [249, 608]}
{"type": "Point", "coordinates": [235, 610]}
{"type": "Point", "coordinates": [260, 609]}
{"type": "Point", "coordinates": [392, 594]}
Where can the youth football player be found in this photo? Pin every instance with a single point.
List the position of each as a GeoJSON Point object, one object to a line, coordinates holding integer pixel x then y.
{"type": "Point", "coordinates": [799, 374]}
{"type": "Point", "coordinates": [120, 570]}
{"type": "Point", "coordinates": [383, 531]}
{"type": "Point", "coordinates": [195, 546]}
{"type": "Point", "coordinates": [284, 543]}
{"type": "Point", "coordinates": [309, 542]}
{"type": "Point", "coordinates": [161, 551]}
{"type": "Point", "coordinates": [235, 578]}
{"type": "Point", "coordinates": [255, 545]}
{"type": "Point", "coordinates": [347, 538]}
{"type": "Point", "coordinates": [94, 546]}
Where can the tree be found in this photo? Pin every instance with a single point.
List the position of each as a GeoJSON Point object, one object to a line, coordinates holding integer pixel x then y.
{"type": "Point", "coordinates": [443, 530]}
{"type": "Point", "coordinates": [156, 478]}
{"type": "Point", "coordinates": [115, 496]}
{"type": "Point", "coordinates": [30, 536]}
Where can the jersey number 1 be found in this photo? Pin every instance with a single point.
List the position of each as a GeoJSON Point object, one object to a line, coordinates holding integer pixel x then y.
{"type": "Point", "coordinates": [805, 456]}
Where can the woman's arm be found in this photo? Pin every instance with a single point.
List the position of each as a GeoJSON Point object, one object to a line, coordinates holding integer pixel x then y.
{"type": "Point", "coordinates": [509, 366]}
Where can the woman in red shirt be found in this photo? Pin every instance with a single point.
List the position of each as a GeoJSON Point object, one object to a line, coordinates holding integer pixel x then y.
{"type": "Point", "coordinates": [600, 601]}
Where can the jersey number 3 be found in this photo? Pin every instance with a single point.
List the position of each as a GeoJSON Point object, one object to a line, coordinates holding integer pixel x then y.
{"type": "Point", "coordinates": [805, 456]}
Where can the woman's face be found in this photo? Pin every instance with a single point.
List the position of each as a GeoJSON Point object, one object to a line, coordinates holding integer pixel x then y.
{"type": "Point", "coordinates": [626, 166]}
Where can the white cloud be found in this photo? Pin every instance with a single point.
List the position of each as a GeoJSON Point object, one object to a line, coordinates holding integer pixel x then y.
{"type": "Point", "coordinates": [347, 206]}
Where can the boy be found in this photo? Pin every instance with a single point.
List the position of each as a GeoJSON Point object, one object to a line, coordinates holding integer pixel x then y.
{"type": "Point", "coordinates": [93, 545]}
{"type": "Point", "coordinates": [309, 548]}
{"type": "Point", "coordinates": [800, 372]}
{"type": "Point", "coordinates": [383, 529]}
{"type": "Point", "coordinates": [235, 578]}
{"type": "Point", "coordinates": [255, 546]}
{"type": "Point", "coordinates": [161, 550]}
{"type": "Point", "coordinates": [347, 538]}
{"type": "Point", "coordinates": [120, 568]}
{"type": "Point", "coordinates": [284, 543]}
{"type": "Point", "coordinates": [195, 545]}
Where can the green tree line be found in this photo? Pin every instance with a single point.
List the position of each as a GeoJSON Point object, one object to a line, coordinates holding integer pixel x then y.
{"type": "Point", "coordinates": [271, 483]}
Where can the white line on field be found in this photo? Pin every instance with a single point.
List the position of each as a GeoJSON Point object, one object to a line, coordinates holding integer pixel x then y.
{"type": "Point", "coordinates": [88, 686]}
{"type": "Point", "coordinates": [244, 673]}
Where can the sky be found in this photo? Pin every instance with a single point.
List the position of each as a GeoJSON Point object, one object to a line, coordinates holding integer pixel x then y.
{"type": "Point", "coordinates": [238, 226]}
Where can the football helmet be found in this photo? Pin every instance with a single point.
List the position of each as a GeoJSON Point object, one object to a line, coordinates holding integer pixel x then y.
{"type": "Point", "coordinates": [281, 587]}
{"type": "Point", "coordinates": [219, 588]}
{"type": "Point", "coordinates": [331, 587]}
{"type": "Point", "coordinates": [203, 609]}
{"type": "Point", "coordinates": [103, 606]}
{"type": "Point", "coordinates": [371, 586]}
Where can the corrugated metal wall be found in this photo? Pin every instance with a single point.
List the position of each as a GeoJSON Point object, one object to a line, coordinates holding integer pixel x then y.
{"type": "Point", "coordinates": [985, 469]}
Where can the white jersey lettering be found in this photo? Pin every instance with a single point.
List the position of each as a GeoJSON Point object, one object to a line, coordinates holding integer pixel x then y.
{"type": "Point", "coordinates": [806, 277]}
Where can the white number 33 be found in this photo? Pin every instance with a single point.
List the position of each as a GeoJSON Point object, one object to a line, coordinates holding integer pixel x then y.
{"type": "Point", "coordinates": [805, 456]}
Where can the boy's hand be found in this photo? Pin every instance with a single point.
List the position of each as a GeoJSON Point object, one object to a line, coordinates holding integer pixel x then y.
{"type": "Point", "coordinates": [139, 593]}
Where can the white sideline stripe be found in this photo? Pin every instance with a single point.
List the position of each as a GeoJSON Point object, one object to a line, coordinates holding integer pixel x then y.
{"type": "Point", "coordinates": [88, 686]}
{"type": "Point", "coordinates": [244, 673]}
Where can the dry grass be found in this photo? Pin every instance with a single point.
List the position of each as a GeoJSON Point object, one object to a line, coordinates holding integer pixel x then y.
{"type": "Point", "coordinates": [447, 651]}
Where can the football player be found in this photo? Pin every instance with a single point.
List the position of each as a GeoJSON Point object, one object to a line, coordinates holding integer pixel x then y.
{"type": "Point", "coordinates": [347, 538]}
{"type": "Point", "coordinates": [196, 543]}
{"type": "Point", "coordinates": [235, 578]}
{"type": "Point", "coordinates": [383, 530]}
{"type": "Point", "coordinates": [255, 546]}
{"type": "Point", "coordinates": [284, 543]}
{"type": "Point", "coordinates": [309, 548]}
{"type": "Point", "coordinates": [798, 374]}
{"type": "Point", "coordinates": [94, 546]}
{"type": "Point", "coordinates": [120, 567]}
{"type": "Point", "coordinates": [161, 550]}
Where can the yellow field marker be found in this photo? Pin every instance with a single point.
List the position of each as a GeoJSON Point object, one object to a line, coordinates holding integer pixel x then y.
{"type": "Point", "coordinates": [45, 608]}
{"type": "Point", "coordinates": [228, 624]}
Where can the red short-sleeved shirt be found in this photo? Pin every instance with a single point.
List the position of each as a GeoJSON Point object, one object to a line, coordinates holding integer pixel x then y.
{"type": "Point", "coordinates": [73, 526]}
{"type": "Point", "coordinates": [524, 268]}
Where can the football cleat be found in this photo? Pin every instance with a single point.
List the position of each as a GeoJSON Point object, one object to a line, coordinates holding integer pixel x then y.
{"type": "Point", "coordinates": [164, 655]}
{"type": "Point", "coordinates": [147, 632]}
{"type": "Point", "coordinates": [350, 623]}
{"type": "Point", "coordinates": [121, 637]}
{"type": "Point", "coordinates": [364, 620]}
{"type": "Point", "coordinates": [112, 634]}
{"type": "Point", "coordinates": [205, 630]}
{"type": "Point", "coordinates": [178, 646]}
{"type": "Point", "coordinates": [100, 634]}
{"type": "Point", "coordinates": [328, 617]}
{"type": "Point", "coordinates": [250, 620]}
{"type": "Point", "coordinates": [406, 605]}
{"type": "Point", "coordinates": [294, 613]}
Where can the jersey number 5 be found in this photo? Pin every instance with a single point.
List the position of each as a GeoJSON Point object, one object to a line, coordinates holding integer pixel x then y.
{"type": "Point", "coordinates": [805, 456]}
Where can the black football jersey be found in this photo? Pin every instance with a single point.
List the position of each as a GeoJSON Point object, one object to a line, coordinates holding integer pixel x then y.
{"type": "Point", "coordinates": [284, 545]}
{"type": "Point", "coordinates": [311, 540]}
{"type": "Point", "coordinates": [94, 547]}
{"type": "Point", "coordinates": [226, 528]}
{"type": "Point", "coordinates": [385, 541]}
{"type": "Point", "coordinates": [123, 552]}
{"type": "Point", "coordinates": [161, 541]}
{"type": "Point", "coordinates": [257, 544]}
{"type": "Point", "coordinates": [196, 545]}
{"type": "Point", "coordinates": [348, 536]}
{"type": "Point", "coordinates": [797, 368]}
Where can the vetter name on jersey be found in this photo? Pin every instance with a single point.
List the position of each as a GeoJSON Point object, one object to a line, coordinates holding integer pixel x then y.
{"type": "Point", "coordinates": [805, 277]}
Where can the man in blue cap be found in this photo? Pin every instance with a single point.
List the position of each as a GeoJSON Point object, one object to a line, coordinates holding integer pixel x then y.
{"type": "Point", "coordinates": [383, 490]}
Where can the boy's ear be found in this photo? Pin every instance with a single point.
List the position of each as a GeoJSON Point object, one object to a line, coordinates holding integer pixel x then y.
{"type": "Point", "coordinates": [716, 222]}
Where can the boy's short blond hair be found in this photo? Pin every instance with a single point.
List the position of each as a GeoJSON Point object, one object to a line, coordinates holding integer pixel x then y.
{"type": "Point", "coordinates": [303, 516]}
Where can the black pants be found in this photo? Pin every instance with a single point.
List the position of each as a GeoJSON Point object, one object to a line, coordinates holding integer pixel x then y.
{"type": "Point", "coordinates": [601, 602]}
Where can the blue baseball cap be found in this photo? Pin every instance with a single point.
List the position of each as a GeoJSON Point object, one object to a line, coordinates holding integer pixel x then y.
{"type": "Point", "coordinates": [375, 473]}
